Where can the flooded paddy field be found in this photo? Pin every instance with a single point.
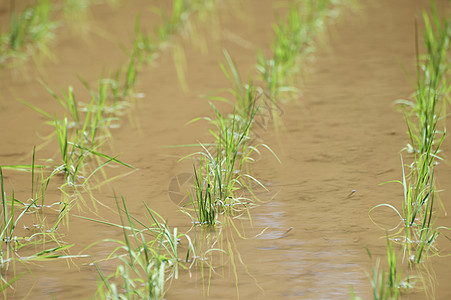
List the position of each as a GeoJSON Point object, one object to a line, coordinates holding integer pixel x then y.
{"type": "Point", "coordinates": [291, 168]}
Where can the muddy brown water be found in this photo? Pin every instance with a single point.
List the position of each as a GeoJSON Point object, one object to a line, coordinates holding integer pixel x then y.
{"type": "Point", "coordinates": [308, 235]}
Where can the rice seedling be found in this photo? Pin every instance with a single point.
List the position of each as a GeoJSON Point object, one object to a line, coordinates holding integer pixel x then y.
{"type": "Point", "coordinates": [149, 256]}
{"type": "Point", "coordinates": [29, 34]}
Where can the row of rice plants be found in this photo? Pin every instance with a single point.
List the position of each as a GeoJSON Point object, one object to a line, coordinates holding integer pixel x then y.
{"type": "Point", "coordinates": [223, 188]}
{"type": "Point", "coordinates": [424, 117]}
{"type": "Point", "coordinates": [149, 255]}
{"type": "Point", "coordinates": [80, 139]}
{"type": "Point", "coordinates": [294, 40]}
{"type": "Point", "coordinates": [91, 122]}
{"type": "Point", "coordinates": [221, 165]}
{"type": "Point", "coordinates": [218, 177]}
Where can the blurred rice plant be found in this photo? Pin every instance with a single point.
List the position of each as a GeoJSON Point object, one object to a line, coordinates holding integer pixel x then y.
{"type": "Point", "coordinates": [30, 34]}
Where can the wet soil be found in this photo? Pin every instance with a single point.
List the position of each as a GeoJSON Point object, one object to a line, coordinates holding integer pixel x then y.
{"type": "Point", "coordinates": [338, 142]}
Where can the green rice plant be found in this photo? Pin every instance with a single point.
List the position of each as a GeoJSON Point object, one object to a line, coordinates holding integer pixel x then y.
{"type": "Point", "coordinates": [71, 161]}
{"type": "Point", "coordinates": [173, 23]}
{"type": "Point", "coordinates": [204, 201]}
{"type": "Point", "coordinates": [146, 45]}
{"type": "Point", "coordinates": [295, 39]}
{"type": "Point", "coordinates": [29, 33]}
{"type": "Point", "coordinates": [149, 257]}
{"type": "Point", "coordinates": [418, 210]}
{"type": "Point", "coordinates": [417, 214]}
{"type": "Point", "coordinates": [108, 102]}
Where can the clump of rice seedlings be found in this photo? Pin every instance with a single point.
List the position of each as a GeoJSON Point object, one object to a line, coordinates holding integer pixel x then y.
{"type": "Point", "coordinates": [221, 168]}
{"type": "Point", "coordinates": [145, 45]}
{"type": "Point", "coordinates": [74, 153]}
{"type": "Point", "coordinates": [149, 255]}
{"type": "Point", "coordinates": [204, 200]}
{"type": "Point", "coordinates": [30, 33]}
{"type": "Point", "coordinates": [423, 117]}
{"type": "Point", "coordinates": [78, 140]}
